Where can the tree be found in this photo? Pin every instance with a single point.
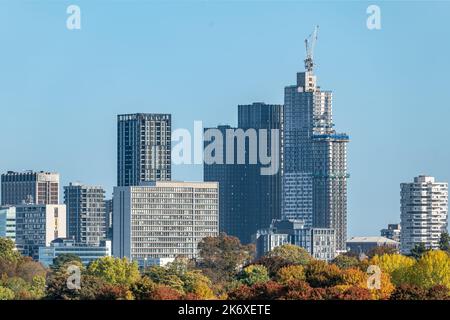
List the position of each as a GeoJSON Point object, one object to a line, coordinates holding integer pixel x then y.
{"type": "Point", "coordinates": [196, 283]}
{"type": "Point", "coordinates": [114, 292]}
{"type": "Point", "coordinates": [64, 259]}
{"type": "Point", "coordinates": [6, 293]}
{"type": "Point", "coordinates": [418, 251]}
{"type": "Point", "coordinates": [292, 254]}
{"type": "Point", "coordinates": [409, 292]}
{"type": "Point", "coordinates": [162, 292]}
{"type": "Point", "coordinates": [8, 250]}
{"type": "Point", "coordinates": [354, 277]}
{"type": "Point", "coordinates": [254, 274]}
{"type": "Point", "coordinates": [438, 292]}
{"type": "Point", "coordinates": [344, 261]}
{"type": "Point", "coordinates": [166, 276]}
{"type": "Point", "coordinates": [273, 264]}
{"type": "Point", "coordinates": [396, 265]}
{"type": "Point", "coordinates": [57, 289]}
{"type": "Point", "coordinates": [143, 288]}
{"type": "Point", "coordinates": [381, 250]}
{"type": "Point", "coordinates": [319, 274]}
{"type": "Point", "coordinates": [433, 268]}
{"type": "Point", "coordinates": [291, 273]}
{"type": "Point", "coordinates": [28, 269]}
{"type": "Point", "coordinates": [220, 258]}
{"type": "Point", "coordinates": [444, 242]}
{"type": "Point", "coordinates": [115, 271]}
{"type": "Point", "coordinates": [300, 290]}
{"type": "Point", "coordinates": [350, 293]}
{"type": "Point", "coordinates": [269, 290]}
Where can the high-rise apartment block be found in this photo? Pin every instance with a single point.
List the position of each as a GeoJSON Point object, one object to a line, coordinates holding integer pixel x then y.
{"type": "Point", "coordinates": [315, 160]}
{"type": "Point", "coordinates": [392, 232]}
{"type": "Point", "coordinates": [164, 219]}
{"type": "Point", "coordinates": [143, 148]}
{"type": "Point", "coordinates": [249, 199]}
{"type": "Point", "coordinates": [37, 226]}
{"type": "Point", "coordinates": [86, 215]}
{"type": "Point", "coordinates": [424, 213]}
{"type": "Point", "coordinates": [29, 188]}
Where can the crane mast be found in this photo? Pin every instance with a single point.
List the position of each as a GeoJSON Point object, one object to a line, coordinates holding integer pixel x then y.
{"type": "Point", "coordinates": [310, 43]}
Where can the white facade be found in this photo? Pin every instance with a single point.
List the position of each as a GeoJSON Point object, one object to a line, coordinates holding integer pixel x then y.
{"type": "Point", "coordinates": [86, 253]}
{"type": "Point", "coordinates": [164, 219]}
{"type": "Point", "coordinates": [8, 223]}
{"type": "Point", "coordinates": [424, 213]}
{"type": "Point", "coordinates": [38, 226]}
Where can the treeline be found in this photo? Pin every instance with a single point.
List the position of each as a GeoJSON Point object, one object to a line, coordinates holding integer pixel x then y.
{"type": "Point", "coordinates": [226, 269]}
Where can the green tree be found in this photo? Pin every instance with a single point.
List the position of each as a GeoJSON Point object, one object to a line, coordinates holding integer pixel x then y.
{"type": "Point", "coordinates": [115, 271]}
{"type": "Point", "coordinates": [220, 258]}
{"type": "Point", "coordinates": [143, 288]}
{"type": "Point", "coordinates": [418, 251]}
{"type": "Point", "coordinates": [291, 253]}
{"type": "Point", "coordinates": [8, 250]}
{"type": "Point", "coordinates": [444, 242]}
{"type": "Point", "coordinates": [253, 274]}
{"type": "Point", "coordinates": [64, 259]}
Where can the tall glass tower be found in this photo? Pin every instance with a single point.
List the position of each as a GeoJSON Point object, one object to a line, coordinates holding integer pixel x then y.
{"type": "Point", "coordinates": [143, 148]}
{"type": "Point", "coordinates": [315, 160]}
{"type": "Point", "coordinates": [248, 200]}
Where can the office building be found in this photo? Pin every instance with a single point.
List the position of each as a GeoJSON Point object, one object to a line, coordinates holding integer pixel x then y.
{"type": "Point", "coordinates": [86, 215]}
{"type": "Point", "coordinates": [37, 226]}
{"type": "Point", "coordinates": [163, 219]}
{"type": "Point", "coordinates": [314, 154]}
{"type": "Point", "coordinates": [249, 198]}
{"type": "Point", "coordinates": [86, 253]}
{"type": "Point", "coordinates": [8, 222]}
{"type": "Point", "coordinates": [363, 245]}
{"type": "Point", "coordinates": [392, 232]}
{"type": "Point", "coordinates": [29, 187]}
{"type": "Point", "coordinates": [424, 213]}
{"type": "Point", "coordinates": [143, 148]}
{"type": "Point", "coordinates": [319, 242]}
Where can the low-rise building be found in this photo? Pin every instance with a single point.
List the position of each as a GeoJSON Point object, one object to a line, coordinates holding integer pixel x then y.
{"type": "Point", "coordinates": [319, 242]}
{"type": "Point", "coordinates": [86, 253]}
{"type": "Point", "coordinates": [392, 232]}
{"type": "Point", "coordinates": [359, 245]}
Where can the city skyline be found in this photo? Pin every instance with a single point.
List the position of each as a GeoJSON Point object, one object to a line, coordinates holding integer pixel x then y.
{"type": "Point", "coordinates": [362, 220]}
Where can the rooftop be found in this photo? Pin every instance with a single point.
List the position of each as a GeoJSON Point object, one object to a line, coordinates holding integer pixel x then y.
{"type": "Point", "coordinates": [371, 240]}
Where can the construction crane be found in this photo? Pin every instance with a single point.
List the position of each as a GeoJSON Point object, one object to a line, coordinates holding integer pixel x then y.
{"type": "Point", "coordinates": [310, 43]}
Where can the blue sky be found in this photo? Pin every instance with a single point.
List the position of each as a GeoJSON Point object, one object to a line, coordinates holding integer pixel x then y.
{"type": "Point", "coordinates": [60, 90]}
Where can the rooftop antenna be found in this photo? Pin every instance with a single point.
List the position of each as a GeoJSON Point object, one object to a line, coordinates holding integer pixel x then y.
{"type": "Point", "coordinates": [310, 43]}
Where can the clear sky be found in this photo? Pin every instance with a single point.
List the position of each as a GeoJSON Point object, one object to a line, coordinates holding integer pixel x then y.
{"type": "Point", "coordinates": [60, 90]}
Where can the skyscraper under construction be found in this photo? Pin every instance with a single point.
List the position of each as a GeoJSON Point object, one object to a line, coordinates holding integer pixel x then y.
{"type": "Point", "coordinates": [315, 161]}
